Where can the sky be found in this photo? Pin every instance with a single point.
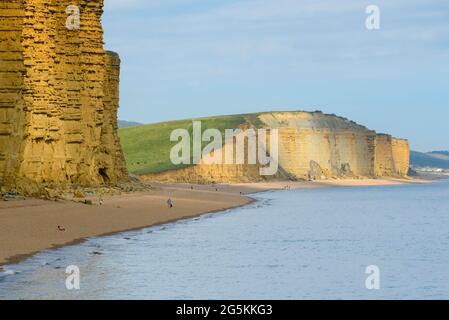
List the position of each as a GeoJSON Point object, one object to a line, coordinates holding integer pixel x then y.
{"type": "Point", "coordinates": [192, 58]}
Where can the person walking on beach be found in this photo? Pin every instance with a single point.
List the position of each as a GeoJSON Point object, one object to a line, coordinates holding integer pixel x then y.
{"type": "Point", "coordinates": [170, 202]}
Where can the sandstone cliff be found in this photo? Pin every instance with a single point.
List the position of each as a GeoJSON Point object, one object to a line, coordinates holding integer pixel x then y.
{"type": "Point", "coordinates": [312, 146]}
{"type": "Point", "coordinates": [211, 173]}
{"type": "Point", "coordinates": [58, 98]}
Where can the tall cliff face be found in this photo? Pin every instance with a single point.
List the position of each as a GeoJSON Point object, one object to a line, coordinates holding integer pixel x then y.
{"type": "Point", "coordinates": [58, 98]}
{"type": "Point", "coordinates": [12, 66]}
{"type": "Point", "coordinates": [319, 146]}
{"type": "Point", "coordinates": [401, 157]}
{"type": "Point", "coordinates": [392, 156]}
{"type": "Point", "coordinates": [312, 146]}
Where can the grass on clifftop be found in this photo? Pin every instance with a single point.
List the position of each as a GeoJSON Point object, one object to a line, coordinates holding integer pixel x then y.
{"type": "Point", "coordinates": [147, 147]}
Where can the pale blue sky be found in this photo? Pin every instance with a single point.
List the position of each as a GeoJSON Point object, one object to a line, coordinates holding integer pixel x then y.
{"type": "Point", "coordinates": [191, 58]}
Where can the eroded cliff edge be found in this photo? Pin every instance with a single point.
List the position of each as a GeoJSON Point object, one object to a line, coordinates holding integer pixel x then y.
{"type": "Point", "coordinates": [59, 95]}
{"type": "Point", "coordinates": [312, 146]}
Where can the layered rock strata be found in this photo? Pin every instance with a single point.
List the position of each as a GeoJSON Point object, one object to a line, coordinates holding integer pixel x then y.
{"type": "Point", "coordinates": [58, 98]}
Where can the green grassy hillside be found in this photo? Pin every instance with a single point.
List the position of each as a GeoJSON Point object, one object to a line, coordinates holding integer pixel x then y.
{"type": "Point", "coordinates": [147, 147]}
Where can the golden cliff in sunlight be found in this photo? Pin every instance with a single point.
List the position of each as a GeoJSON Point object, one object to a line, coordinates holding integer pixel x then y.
{"type": "Point", "coordinates": [312, 146]}
{"type": "Point", "coordinates": [392, 156]}
{"type": "Point", "coordinates": [58, 98]}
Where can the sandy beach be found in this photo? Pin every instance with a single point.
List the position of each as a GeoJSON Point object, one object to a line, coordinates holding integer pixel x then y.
{"type": "Point", "coordinates": [31, 225]}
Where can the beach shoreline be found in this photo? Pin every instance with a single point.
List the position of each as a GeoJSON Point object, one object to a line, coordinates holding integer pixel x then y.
{"type": "Point", "coordinates": [32, 225]}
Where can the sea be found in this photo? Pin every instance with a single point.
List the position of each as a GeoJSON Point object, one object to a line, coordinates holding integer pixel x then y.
{"type": "Point", "coordinates": [379, 242]}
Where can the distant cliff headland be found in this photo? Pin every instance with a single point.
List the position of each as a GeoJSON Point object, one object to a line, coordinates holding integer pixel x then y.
{"type": "Point", "coordinates": [312, 146]}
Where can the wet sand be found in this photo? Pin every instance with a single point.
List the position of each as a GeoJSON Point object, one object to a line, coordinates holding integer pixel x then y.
{"type": "Point", "coordinates": [31, 225]}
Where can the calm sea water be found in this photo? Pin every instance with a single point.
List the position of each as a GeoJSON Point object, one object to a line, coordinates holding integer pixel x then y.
{"type": "Point", "coordinates": [296, 244]}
